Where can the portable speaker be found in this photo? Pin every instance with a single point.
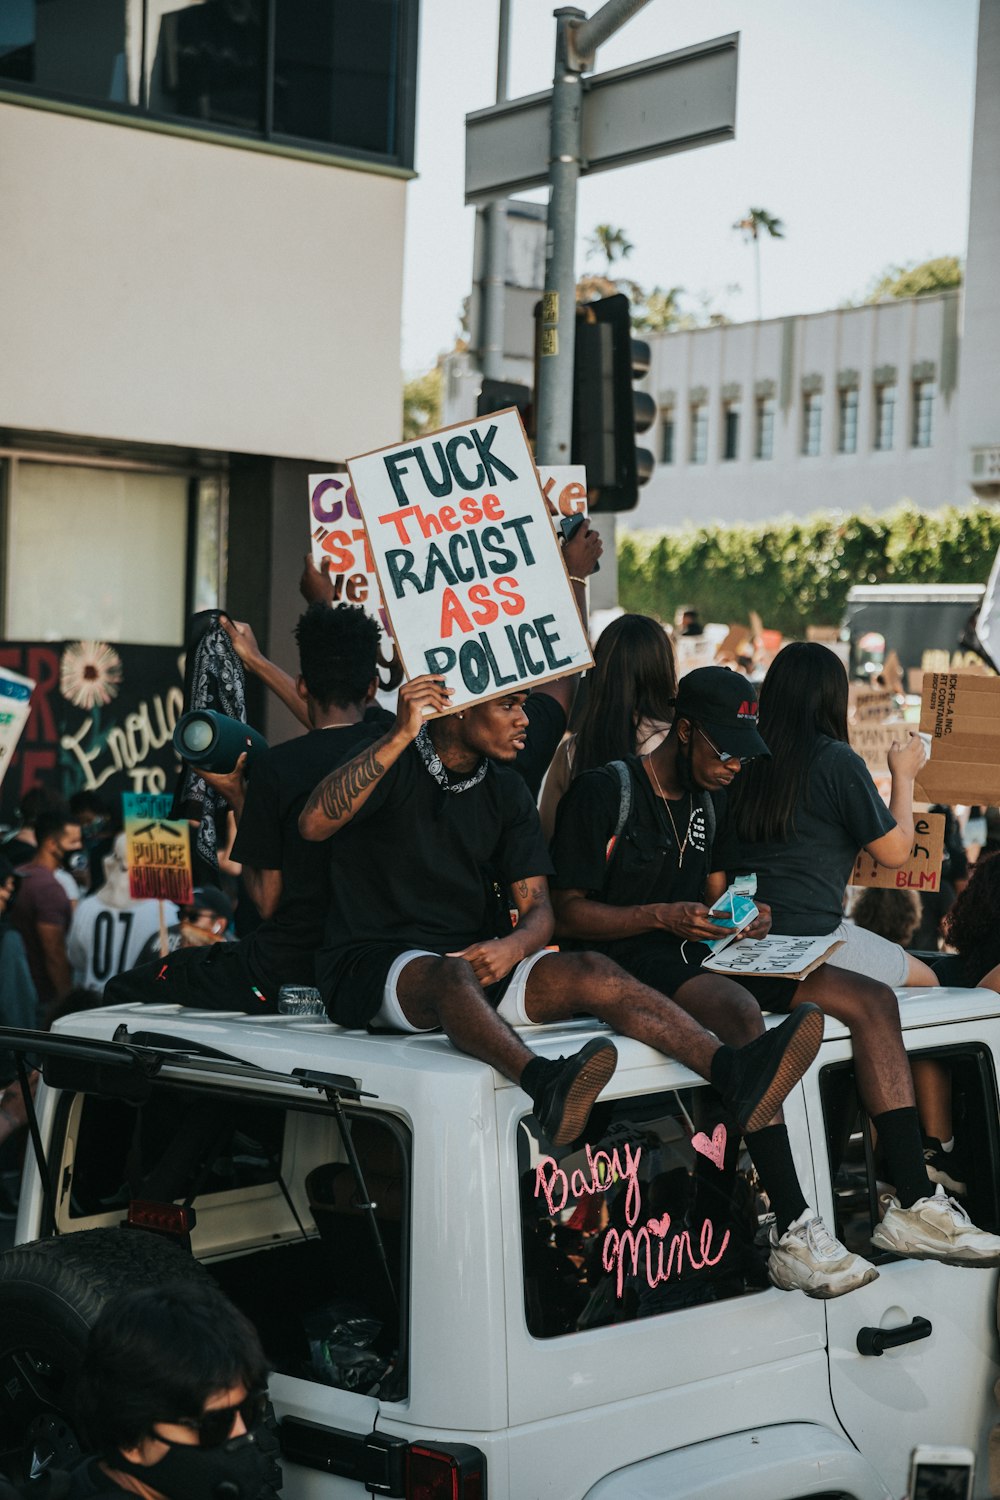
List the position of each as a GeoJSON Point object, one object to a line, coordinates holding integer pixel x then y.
{"type": "Point", "coordinates": [210, 741]}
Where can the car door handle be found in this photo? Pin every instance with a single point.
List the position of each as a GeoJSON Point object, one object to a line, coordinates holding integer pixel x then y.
{"type": "Point", "coordinates": [876, 1340]}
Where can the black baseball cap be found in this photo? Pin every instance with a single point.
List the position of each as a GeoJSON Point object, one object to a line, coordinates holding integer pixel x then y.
{"type": "Point", "coordinates": [210, 898]}
{"type": "Point", "coordinates": [724, 703]}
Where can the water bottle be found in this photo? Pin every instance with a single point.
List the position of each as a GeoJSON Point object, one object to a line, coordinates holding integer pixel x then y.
{"type": "Point", "coordinates": [300, 1000]}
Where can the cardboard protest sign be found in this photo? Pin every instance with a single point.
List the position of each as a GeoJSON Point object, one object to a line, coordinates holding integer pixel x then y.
{"type": "Point", "coordinates": [158, 851]}
{"type": "Point", "coordinates": [337, 532]}
{"type": "Point", "coordinates": [778, 955]}
{"type": "Point", "coordinates": [961, 713]}
{"type": "Point", "coordinates": [922, 871]}
{"type": "Point", "coordinates": [870, 704]}
{"type": "Point", "coordinates": [873, 739]}
{"type": "Point", "coordinates": [470, 568]}
{"type": "Point", "coordinates": [15, 706]}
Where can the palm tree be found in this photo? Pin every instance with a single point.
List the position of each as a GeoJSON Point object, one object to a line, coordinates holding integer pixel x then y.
{"type": "Point", "coordinates": [755, 222]}
{"type": "Point", "coordinates": [614, 244]}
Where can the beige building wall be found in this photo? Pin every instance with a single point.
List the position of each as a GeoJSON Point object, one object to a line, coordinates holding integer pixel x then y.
{"type": "Point", "coordinates": [167, 290]}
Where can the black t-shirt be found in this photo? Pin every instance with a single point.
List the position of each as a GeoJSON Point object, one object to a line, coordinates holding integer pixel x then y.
{"type": "Point", "coordinates": [654, 861]}
{"type": "Point", "coordinates": [282, 950]}
{"type": "Point", "coordinates": [416, 865]}
{"type": "Point", "coordinates": [546, 727]}
{"type": "Point", "coordinates": [804, 879]}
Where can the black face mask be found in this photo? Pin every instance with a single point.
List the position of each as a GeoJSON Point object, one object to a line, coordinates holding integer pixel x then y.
{"type": "Point", "coordinates": [235, 1470]}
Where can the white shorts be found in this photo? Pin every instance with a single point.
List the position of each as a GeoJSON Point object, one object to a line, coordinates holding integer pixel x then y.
{"type": "Point", "coordinates": [390, 1015]}
{"type": "Point", "coordinates": [865, 952]}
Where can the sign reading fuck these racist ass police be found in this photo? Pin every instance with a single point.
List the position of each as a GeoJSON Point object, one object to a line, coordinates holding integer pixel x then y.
{"type": "Point", "coordinates": [470, 568]}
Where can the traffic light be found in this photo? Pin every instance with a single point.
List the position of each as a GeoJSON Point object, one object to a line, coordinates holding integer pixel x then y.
{"type": "Point", "coordinates": [495, 395]}
{"type": "Point", "coordinates": [607, 410]}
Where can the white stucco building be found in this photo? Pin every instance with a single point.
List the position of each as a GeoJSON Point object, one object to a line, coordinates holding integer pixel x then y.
{"type": "Point", "coordinates": [200, 297]}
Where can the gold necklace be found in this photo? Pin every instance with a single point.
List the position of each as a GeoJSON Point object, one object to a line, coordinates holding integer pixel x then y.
{"type": "Point", "coordinates": [682, 847]}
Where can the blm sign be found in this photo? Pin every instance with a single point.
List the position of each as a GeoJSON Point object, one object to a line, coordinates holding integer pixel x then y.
{"type": "Point", "coordinates": [469, 565]}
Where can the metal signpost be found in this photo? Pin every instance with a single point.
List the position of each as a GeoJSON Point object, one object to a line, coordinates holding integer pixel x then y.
{"type": "Point", "coordinates": [666, 104]}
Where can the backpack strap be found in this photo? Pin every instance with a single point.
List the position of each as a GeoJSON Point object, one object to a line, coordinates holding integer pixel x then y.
{"type": "Point", "coordinates": [624, 806]}
{"type": "Point", "coordinates": [711, 822]}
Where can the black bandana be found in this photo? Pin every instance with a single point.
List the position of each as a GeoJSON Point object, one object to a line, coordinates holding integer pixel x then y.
{"type": "Point", "coordinates": [434, 764]}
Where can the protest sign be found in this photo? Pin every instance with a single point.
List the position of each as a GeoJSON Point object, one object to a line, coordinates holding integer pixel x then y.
{"type": "Point", "coordinates": [870, 704]}
{"type": "Point", "coordinates": [158, 851]}
{"type": "Point", "coordinates": [961, 713]}
{"type": "Point", "coordinates": [337, 533]}
{"type": "Point", "coordinates": [873, 739]}
{"type": "Point", "coordinates": [779, 956]}
{"type": "Point", "coordinates": [565, 489]}
{"type": "Point", "coordinates": [15, 706]}
{"type": "Point", "coordinates": [469, 565]}
{"type": "Point", "coordinates": [922, 870]}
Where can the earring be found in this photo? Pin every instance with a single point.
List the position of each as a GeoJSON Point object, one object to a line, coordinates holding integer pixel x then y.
{"type": "Point", "coordinates": [461, 716]}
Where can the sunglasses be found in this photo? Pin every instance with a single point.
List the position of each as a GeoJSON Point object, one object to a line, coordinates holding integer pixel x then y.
{"type": "Point", "coordinates": [215, 1427]}
{"type": "Point", "coordinates": [724, 757]}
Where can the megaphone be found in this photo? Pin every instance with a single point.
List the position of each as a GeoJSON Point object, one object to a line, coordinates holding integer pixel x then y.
{"type": "Point", "coordinates": [212, 741]}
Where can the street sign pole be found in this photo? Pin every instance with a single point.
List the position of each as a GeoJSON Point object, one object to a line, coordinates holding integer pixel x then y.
{"type": "Point", "coordinates": [576, 41]}
{"type": "Point", "coordinates": [494, 281]}
{"type": "Point", "coordinates": [554, 396]}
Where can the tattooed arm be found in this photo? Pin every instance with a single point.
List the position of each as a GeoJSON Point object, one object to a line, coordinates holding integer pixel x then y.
{"type": "Point", "coordinates": [347, 788]}
{"type": "Point", "coordinates": [495, 957]}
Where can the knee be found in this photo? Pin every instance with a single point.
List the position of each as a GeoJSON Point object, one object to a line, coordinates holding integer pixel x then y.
{"type": "Point", "coordinates": [742, 1018]}
{"type": "Point", "coordinates": [596, 978]}
{"type": "Point", "coordinates": [450, 974]}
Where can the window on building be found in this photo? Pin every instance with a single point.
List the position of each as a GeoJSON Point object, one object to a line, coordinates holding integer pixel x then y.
{"type": "Point", "coordinates": [924, 392]}
{"type": "Point", "coordinates": [847, 421]}
{"type": "Point", "coordinates": [337, 75]}
{"type": "Point", "coordinates": [731, 430]}
{"type": "Point", "coordinates": [666, 435]}
{"type": "Point", "coordinates": [812, 418]}
{"type": "Point", "coordinates": [699, 432]}
{"type": "Point", "coordinates": [94, 589]}
{"type": "Point", "coordinates": [885, 416]}
{"type": "Point", "coordinates": [764, 439]}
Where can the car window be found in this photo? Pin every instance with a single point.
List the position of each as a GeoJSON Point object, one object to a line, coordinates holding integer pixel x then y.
{"type": "Point", "coordinates": [659, 1208]}
{"type": "Point", "coordinates": [861, 1179]}
{"type": "Point", "coordinates": [280, 1221]}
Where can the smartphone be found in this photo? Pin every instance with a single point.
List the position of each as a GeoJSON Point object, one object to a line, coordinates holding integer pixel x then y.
{"type": "Point", "coordinates": [941, 1473]}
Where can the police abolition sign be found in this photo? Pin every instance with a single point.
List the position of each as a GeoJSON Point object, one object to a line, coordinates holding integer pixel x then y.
{"type": "Point", "coordinates": [158, 850]}
{"type": "Point", "coordinates": [470, 569]}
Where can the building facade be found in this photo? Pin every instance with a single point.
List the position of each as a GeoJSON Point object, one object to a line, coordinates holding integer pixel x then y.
{"type": "Point", "coordinates": [200, 291]}
{"type": "Point", "coordinates": [846, 410]}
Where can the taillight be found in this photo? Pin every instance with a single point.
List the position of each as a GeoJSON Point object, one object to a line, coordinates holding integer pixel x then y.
{"type": "Point", "coordinates": [455, 1473]}
{"type": "Point", "coordinates": [162, 1218]}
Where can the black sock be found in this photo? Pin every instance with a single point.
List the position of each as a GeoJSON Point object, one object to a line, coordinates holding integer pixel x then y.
{"type": "Point", "coordinates": [721, 1069]}
{"type": "Point", "coordinates": [533, 1075]}
{"type": "Point", "coordinates": [900, 1139]}
{"type": "Point", "coordinates": [771, 1154]}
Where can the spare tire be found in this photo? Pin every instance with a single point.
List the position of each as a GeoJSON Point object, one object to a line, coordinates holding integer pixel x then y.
{"type": "Point", "coordinates": [50, 1294]}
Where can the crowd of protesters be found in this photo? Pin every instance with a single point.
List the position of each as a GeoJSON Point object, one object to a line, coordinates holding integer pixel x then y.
{"type": "Point", "coordinates": [496, 919]}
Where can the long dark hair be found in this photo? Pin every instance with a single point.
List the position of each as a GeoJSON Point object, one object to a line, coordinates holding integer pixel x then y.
{"type": "Point", "coordinates": [973, 922]}
{"type": "Point", "coordinates": [803, 696]}
{"type": "Point", "coordinates": [634, 678]}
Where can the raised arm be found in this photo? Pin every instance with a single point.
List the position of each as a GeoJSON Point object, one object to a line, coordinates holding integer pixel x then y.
{"type": "Point", "coordinates": [280, 682]}
{"type": "Point", "coordinates": [347, 788]}
{"type": "Point", "coordinates": [581, 555]}
{"type": "Point", "coordinates": [905, 762]}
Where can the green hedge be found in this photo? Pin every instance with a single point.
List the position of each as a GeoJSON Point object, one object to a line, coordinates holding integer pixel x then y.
{"type": "Point", "coordinates": [796, 573]}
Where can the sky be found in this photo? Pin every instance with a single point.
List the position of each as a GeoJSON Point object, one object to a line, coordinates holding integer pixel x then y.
{"type": "Point", "coordinates": [853, 126]}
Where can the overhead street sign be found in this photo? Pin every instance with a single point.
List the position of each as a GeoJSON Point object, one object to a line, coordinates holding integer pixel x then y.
{"type": "Point", "coordinates": [671, 103]}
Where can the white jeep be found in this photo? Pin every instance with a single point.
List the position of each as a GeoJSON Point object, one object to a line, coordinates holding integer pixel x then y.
{"type": "Point", "coordinates": [453, 1307]}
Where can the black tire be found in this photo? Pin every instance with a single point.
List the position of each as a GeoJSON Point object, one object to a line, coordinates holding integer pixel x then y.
{"type": "Point", "coordinates": [50, 1294]}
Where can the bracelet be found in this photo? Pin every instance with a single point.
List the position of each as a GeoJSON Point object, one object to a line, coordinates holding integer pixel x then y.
{"type": "Point", "coordinates": [573, 579]}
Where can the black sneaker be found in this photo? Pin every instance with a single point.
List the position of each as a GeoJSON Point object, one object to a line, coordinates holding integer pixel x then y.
{"type": "Point", "coordinates": [767, 1068]}
{"type": "Point", "coordinates": [946, 1167]}
{"type": "Point", "coordinates": [570, 1085]}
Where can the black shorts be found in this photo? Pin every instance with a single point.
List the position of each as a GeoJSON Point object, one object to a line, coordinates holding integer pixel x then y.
{"type": "Point", "coordinates": [665, 966]}
{"type": "Point", "coordinates": [215, 977]}
{"type": "Point", "coordinates": [352, 980]}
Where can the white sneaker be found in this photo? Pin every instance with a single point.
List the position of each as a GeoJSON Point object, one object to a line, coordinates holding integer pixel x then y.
{"type": "Point", "coordinates": [936, 1228]}
{"type": "Point", "coordinates": [807, 1258]}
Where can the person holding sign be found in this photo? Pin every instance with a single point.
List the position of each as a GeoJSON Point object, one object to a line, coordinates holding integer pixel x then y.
{"type": "Point", "coordinates": [285, 876]}
{"type": "Point", "coordinates": [801, 817]}
{"type": "Point", "coordinates": [640, 847]}
{"type": "Point", "coordinates": [432, 827]}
